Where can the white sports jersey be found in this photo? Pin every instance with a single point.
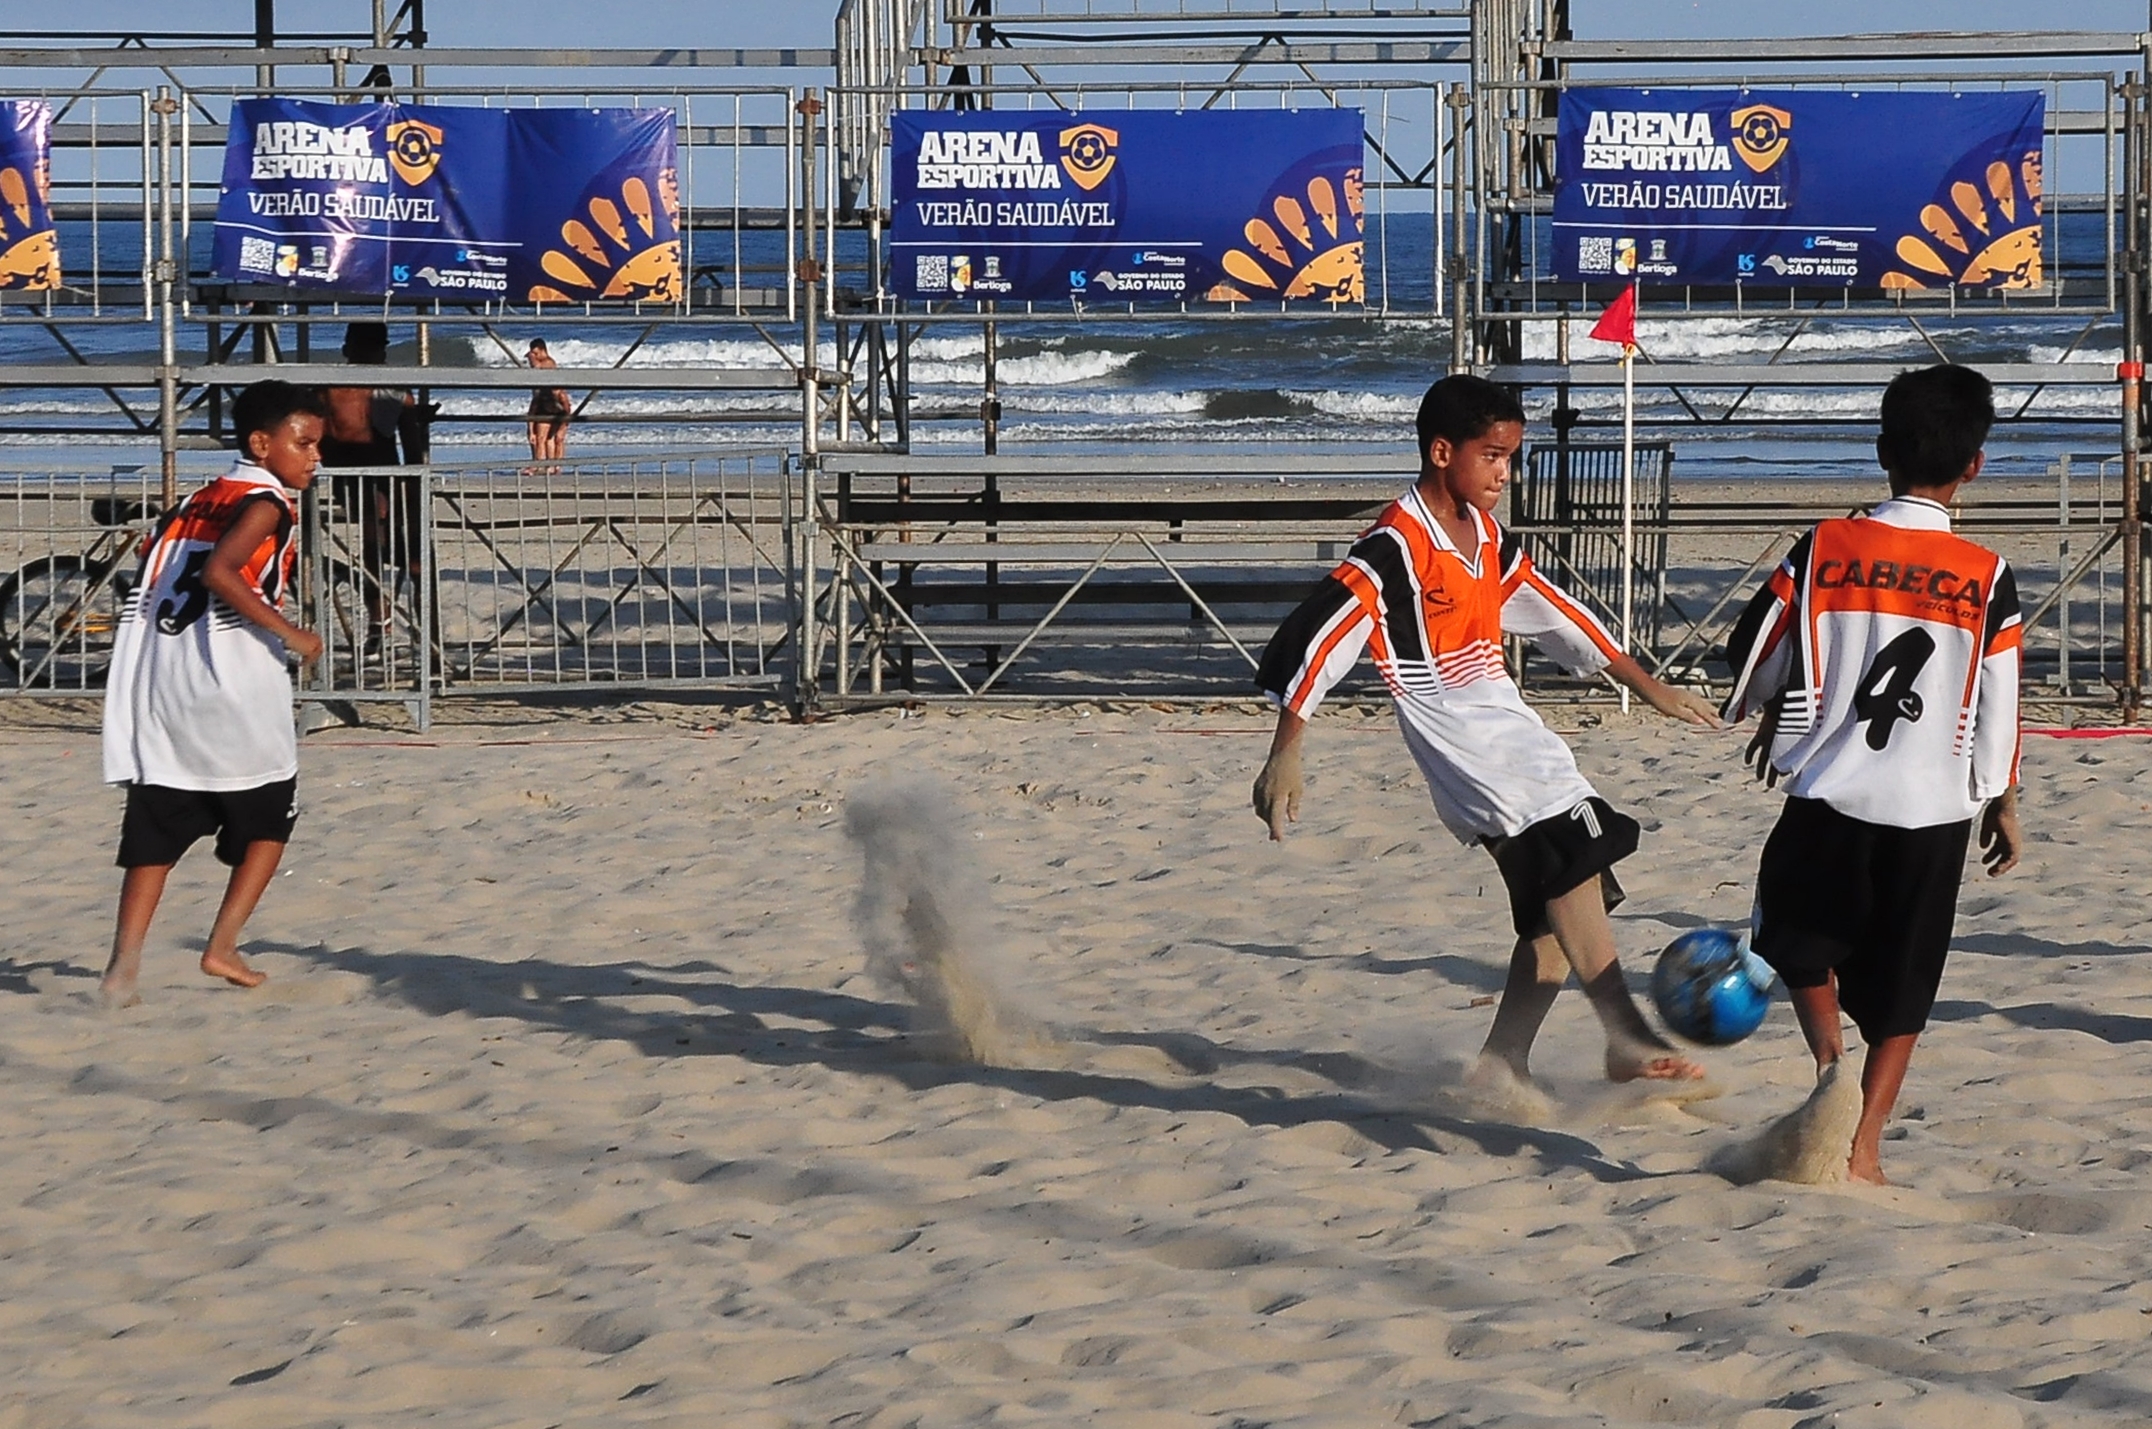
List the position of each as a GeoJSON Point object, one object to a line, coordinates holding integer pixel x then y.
{"type": "Point", "coordinates": [1435, 616]}
{"type": "Point", "coordinates": [198, 697]}
{"type": "Point", "coordinates": [1895, 648]}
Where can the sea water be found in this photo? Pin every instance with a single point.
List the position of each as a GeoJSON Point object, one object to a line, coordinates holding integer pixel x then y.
{"type": "Point", "coordinates": [1107, 380]}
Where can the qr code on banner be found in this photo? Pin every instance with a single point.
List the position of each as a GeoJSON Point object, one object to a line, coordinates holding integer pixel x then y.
{"type": "Point", "coordinates": [932, 274]}
{"type": "Point", "coordinates": [257, 255]}
{"type": "Point", "coordinates": [1595, 255]}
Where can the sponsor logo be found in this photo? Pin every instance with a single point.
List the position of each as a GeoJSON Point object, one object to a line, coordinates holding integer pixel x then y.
{"type": "Point", "coordinates": [1087, 154]}
{"type": "Point", "coordinates": [985, 159]}
{"type": "Point", "coordinates": [1802, 265]}
{"type": "Point", "coordinates": [414, 150]}
{"type": "Point", "coordinates": [441, 279]}
{"type": "Point", "coordinates": [1943, 585]}
{"type": "Point", "coordinates": [1654, 140]}
{"type": "Point", "coordinates": [295, 149]}
{"type": "Point", "coordinates": [1761, 133]}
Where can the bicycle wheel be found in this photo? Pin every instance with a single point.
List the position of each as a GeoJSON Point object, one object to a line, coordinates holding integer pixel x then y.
{"type": "Point", "coordinates": [58, 617]}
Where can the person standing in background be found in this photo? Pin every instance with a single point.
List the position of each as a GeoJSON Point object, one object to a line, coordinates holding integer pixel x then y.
{"type": "Point", "coordinates": [365, 427]}
{"type": "Point", "coordinates": [548, 411]}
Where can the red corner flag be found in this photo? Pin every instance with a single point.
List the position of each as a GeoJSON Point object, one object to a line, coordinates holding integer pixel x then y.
{"type": "Point", "coordinates": [1618, 322]}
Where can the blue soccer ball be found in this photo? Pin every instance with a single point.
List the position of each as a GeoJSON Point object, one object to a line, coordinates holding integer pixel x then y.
{"type": "Point", "coordinates": [1710, 988]}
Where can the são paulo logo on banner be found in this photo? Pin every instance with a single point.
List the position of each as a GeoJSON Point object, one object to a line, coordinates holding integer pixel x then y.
{"type": "Point", "coordinates": [1138, 206]}
{"type": "Point", "coordinates": [530, 205]}
{"type": "Point", "coordinates": [1898, 190]}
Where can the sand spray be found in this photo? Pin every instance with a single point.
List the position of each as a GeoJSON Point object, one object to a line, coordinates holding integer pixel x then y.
{"type": "Point", "coordinates": [929, 927]}
{"type": "Point", "coordinates": [1808, 1144]}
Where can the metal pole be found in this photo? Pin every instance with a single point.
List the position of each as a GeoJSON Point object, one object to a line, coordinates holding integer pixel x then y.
{"type": "Point", "coordinates": [167, 322]}
{"type": "Point", "coordinates": [2062, 571]}
{"type": "Point", "coordinates": [805, 652]}
{"type": "Point", "coordinates": [264, 38]}
{"type": "Point", "coordinates": [1628, 504]}
{"type": "Point", "coordinates": [2131, 372]}
{"type": "Point", "coordinates": [2133, 590]}
{"type": "Point", "coordinates": [1460, 329]}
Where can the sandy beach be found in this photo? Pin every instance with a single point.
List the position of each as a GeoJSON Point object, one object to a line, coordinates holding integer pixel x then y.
{"type": "Point", "coordinates": [571, 1101]}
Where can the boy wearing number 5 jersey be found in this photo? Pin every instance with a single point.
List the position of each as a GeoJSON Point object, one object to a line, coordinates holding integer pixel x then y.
{"type": "Point", "coordinates": [198, 704]}
{"type": "Point", "coordinates": [1430, 590]}
{"type": "Point", "coordinates": [1883, 655]}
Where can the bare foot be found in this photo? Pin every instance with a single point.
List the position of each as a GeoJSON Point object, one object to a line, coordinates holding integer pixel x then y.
{"type": "Point", "coordinates": [1496, 1088]}
{"type": "Point", "coordinates": [1866, 1167]}
{"type": "Point", "coordinates": [233, 969]}
{"type": "Point", "coordinates": [1630, 1063]}
{"type": "Point", "coordinates": [118, 990]}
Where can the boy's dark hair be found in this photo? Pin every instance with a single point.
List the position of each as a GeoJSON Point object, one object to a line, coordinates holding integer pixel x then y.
{"type": "Point", "coordinates": [539, 343]}
{"type": "Point", "coordinates": [263, 406]}
{"type": "Point", "coordinates": [1462, 407]}
{"type": "Point", "coordinates": [1935, 421]}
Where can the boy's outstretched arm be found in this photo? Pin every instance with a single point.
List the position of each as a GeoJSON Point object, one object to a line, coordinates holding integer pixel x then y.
{"type": "Point", "coordinates": [223, 576]}
{"type": "Point", "coordinates": [2000, 839]}
{"type": "Point", "coordinates": [1278, 787]}
{"type": "Point", "coordinates": [1669, 700]}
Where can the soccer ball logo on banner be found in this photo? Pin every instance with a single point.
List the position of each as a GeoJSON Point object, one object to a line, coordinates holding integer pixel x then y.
{"type": "Point", "coordinates": [414, 150]}
{"type": "Point", "coordinates": [1761, 133]}
{"type": "Point", "coordinates": [1087, 154]}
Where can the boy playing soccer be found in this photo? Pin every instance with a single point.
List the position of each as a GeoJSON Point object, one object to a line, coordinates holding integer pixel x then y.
{"type": "Point", "coordinates": [198, 721]}
{"type": "Point", "coordinates": [1884, 655]}
{"type": "Point", "coordinates": [1431, 587]}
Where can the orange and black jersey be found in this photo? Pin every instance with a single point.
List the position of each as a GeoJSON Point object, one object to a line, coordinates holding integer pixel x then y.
{"type": "Point", "coordinates": [198, 696]}
{"type": "Point", "coordinates": [170, 589]}
{"type": "Point", "coordinates": [1433, 616]}
{"type": "Point", "coordinates": [1891, 646]}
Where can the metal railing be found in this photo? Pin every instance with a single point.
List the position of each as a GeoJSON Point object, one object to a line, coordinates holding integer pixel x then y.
{"type": "Point", "coordinates": [71, 538]}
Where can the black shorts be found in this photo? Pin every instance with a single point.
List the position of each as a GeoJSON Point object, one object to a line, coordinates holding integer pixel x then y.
{"type": "Point", "coordinates": [161, 823]}
{"type": "Point", "coordinates": [1871, 902]}
{"type": "Point", "coordinates": [1546, 860]}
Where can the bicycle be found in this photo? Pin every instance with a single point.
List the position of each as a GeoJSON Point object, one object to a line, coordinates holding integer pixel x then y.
{"type": "Point", "coordinates": [60, 614]}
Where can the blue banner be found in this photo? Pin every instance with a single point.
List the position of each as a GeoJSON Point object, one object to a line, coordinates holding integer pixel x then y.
{"type": "Point", "coordinates": [1128, 206]}
{"type": "Point", "coordinates": [29, 244]}
{"type": "Point", "coordinates": [1801, 188]}
{"type": "Point", "coordinates": [483, 205]}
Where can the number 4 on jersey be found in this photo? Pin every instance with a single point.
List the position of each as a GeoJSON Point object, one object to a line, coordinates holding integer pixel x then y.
{"type": "Point", "coordinates": [1885, 693]}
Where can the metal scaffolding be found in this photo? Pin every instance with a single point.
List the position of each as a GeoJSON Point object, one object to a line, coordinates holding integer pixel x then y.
{"type": "Point", "coordinates": [787, 331]}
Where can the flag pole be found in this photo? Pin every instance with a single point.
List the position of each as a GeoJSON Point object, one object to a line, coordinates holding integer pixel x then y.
{"type": "Point", "coordinates": [1628, 503]}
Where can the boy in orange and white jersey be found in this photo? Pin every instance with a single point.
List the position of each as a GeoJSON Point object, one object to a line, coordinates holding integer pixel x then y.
{"type": "Point", "coordinates": [197, 719]}
{"type": "Point", "coordinates": [1884, 656]}
{"type": "Point", "coordinates": [1430, 589]}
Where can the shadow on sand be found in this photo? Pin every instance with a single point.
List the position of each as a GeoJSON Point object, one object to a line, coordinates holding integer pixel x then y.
{"type": "Point", "coordinates": [863, 1037]}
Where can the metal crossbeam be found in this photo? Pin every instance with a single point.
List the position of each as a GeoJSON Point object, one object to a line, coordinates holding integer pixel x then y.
{"type": "Point", "coordinates": [1926, 45]}
{"type": "Point", "coordinates": [1300, 52]}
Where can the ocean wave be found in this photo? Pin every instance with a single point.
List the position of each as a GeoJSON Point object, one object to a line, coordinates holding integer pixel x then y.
{"type": "Point", "coordinates": [1042, 369]}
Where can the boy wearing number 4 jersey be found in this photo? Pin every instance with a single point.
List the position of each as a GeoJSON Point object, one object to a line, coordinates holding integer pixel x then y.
{"type": "Point", "coordinates": [198, 704]}
{"type": "Point", "coordinates": [1883, 655]}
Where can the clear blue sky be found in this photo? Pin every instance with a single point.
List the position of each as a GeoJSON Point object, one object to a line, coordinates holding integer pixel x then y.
{"type": "Point", "coordinates": [807, 22]}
